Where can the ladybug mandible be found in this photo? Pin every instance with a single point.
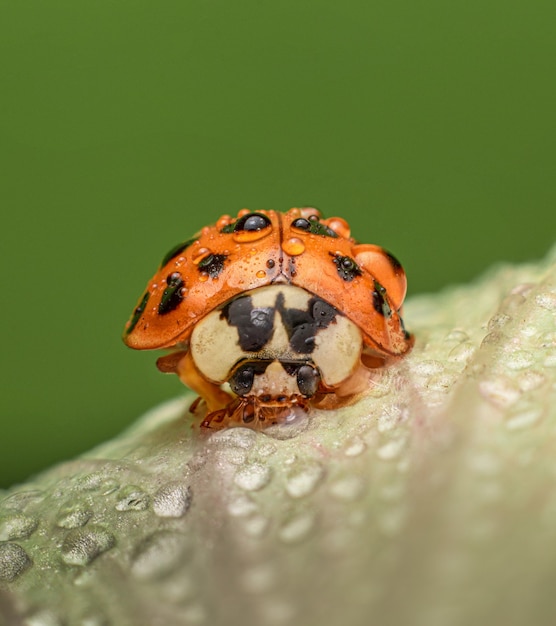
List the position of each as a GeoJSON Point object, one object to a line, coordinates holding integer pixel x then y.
{"type": "Point", "coordinates": [270, 313]}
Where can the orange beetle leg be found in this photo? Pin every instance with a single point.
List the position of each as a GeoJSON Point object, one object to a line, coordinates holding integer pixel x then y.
{"type": "Point", "coordinates": [182, 364]}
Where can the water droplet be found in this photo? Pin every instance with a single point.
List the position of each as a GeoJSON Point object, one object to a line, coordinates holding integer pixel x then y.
{"type": "Point", "coordinates": [427, 368]}
{"type": "Point", "coordinates": [462, 353]}
{"type": "Point", "coordinates": [531, 379]}
{"type": "Point", "coordinates": [297, 528]}
{"type": "Point", "coordinates": [73, 516]}
{"type": "Point", "coordinates": [339, 226]}
{"type": "Point", "coordinates": [224, 220]}
{"type": "Point", "coordinates": [231, 456]}
{"type": "Point", "coordinates": [241, 505]}
{"type": "Point", "coordinates": [81, 546]}
{"type": "Point", "coordinates": [256, 525]}
{"type": "Point", "coordinates": [260, 274]}
{"type": "Point", "coordinates": [159, 554]}
{"type": "Point", "coordinates": [303, 480]}
{"type": "Point", "coordinates": [252, 477]}
{"type": "Point", "coordinates": [441, 382]}
{"type": "Point", "coordinates": [523, 417]}
{"type": "Point", "coordinates": [43, 618]}
{"type": "Point", "coordinates": [355, 447]}
{"type": "Point", "coordinates": [389, 418]}
{"type": "Point", "coordinates": [13, 561]}
{"type": "Point", "coordinates": [497, 321]}
{"type": "Point", "coordinates": [293, 246]}
{"type": "Point", "coordinates": [519, 359]}
{"type": "Point", "coordinates": [22, 499]}
{"type": "Point", "coordinates": [500, 391]}
{"type": "Point", "coordinates": [97, 481]}
{"type": "Point", "coordinates": [200, 254]}
{"type": "Point", "coordinates": [203, 277]}
{"type": "Point", "coordinates": [456, 336]}
{"type": "Point", "coordinates": [546, 300]}
{"type": "Point", "coordinates": [172, 500]}
{"type": "Point", "coordinates": [348, 488]}
{"type": "Point", "coordinates": [17, 526]}
{"type": "Point", "coordinates": [550, 359]}
{"type": "Point", "coordinates": [391, 450]}
{"type": "Point", "coordinates": [239, 437]}
{"type": "Point", "coordinates": [132, 498]}
{"type": "Point", "coordinates": [248, 236]}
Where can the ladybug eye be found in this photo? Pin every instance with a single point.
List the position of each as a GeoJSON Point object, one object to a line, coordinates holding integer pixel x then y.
{"type": "Point", "coordinates": [313, 226]}
{"type": "Point", "coordinates": [308, 379]}
{"type": "Point", "coordinates": [242, 380]}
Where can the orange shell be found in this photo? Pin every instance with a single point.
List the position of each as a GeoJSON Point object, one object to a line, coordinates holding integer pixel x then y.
{"type": "Point", "coordinates": [322, 264]}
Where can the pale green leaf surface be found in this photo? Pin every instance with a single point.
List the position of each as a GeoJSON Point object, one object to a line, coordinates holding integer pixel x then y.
{"type": "Point", "coordinates": [430, 501]}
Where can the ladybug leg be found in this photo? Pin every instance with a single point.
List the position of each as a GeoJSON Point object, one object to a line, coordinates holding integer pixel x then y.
{"type": "Point", "coordinates": [211, 393]}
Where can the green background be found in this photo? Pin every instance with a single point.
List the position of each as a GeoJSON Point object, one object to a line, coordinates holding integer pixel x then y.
{"type": "Point", "coordinates": [125, 126]}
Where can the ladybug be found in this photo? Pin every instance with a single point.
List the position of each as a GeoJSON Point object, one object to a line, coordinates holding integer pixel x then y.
{"type": "Point", "coordinates": [271, 313]}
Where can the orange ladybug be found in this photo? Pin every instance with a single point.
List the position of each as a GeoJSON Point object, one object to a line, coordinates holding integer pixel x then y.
{"type": "Point", "coordinates": [270, 313]}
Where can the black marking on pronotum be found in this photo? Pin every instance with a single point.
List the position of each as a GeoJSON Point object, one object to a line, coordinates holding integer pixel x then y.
{"type": "Point", "coordinates": [346, 266]}
{"type": "Point", "coordinates": [249, 222]}
{"type": "Point", "coordinates": [138, 312]}
{"type": "Point", "coordinates": [313, 226]}
{"type": "Point", "coordinates": [302, 326]}
{"type": "Point", "coordinates": [173, 294]}
{"type": "Point", "coordinates": [177, 249]}
{"type": "Point", "coordinates": [380, 304]}
{"type": "Point", "coordinates": [255, 325]}
{"type": "Point", "coordinates": [212, 264]}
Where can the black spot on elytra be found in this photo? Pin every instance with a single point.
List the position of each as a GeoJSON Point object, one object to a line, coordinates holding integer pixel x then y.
{"type": "Point", "coordinates": [380, 304]}
{"type": "Point", "coordinates": [313, 226]}
{"type": "Point", "coordinates": [173, 294]}
{"type": "Point", "coordinates": [177, 249]}
{"type": "Point", "coordinates": [346, 266]}
{"type": "Point", "coordinates": [249, 222]}
{"type": "Point", "coordinates": [393, 261]}
{"type": "Point", "coordinates": [213, 264]}
{"type": "Point", "coordinates": [138, 312]}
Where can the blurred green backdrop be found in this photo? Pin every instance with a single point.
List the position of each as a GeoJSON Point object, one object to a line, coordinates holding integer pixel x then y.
{"type": "Point", "coordinates": [126, 126]}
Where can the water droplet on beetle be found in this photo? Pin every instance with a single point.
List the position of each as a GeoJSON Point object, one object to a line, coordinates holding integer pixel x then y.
{"type": "Point", "coordinates": [293, 246]}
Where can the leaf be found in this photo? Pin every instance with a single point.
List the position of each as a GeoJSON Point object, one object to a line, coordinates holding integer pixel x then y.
{"type": "Point", "coordinates": [431, 500]}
